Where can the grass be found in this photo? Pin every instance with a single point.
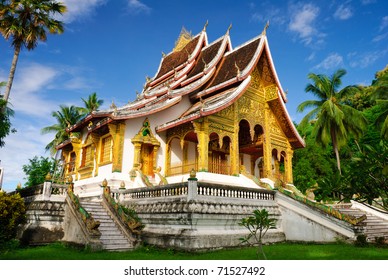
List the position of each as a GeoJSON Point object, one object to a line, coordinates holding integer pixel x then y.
{"type": "Point", "coordinates": [279, 251]}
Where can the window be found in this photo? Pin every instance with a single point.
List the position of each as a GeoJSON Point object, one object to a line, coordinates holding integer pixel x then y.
{"type": "Point", "coordinates": [106, 149]}
{"type": "Point", "coordinates": [71, 164]}
{"type": "Point", "coordinates": [86, 156]}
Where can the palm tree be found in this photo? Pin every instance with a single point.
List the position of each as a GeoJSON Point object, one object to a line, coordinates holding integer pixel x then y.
{"type": "Point", "coordinates": [66, 117]}
{"type": "Point", "coordinates": [92, 103]}
{"type": "Point", "coordinates": [26, 22]}
{"type": "Point", "coordinates": [380, 95]}
{"type": "Point", "coordinates": [335, 121]}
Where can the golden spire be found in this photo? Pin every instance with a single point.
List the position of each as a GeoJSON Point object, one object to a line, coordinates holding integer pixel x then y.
{"type": "Point", "coordinates": [265, 29]}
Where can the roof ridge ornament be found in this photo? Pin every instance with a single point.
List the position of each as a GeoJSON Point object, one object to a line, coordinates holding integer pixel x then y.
{"type": "Point", "coordinates": [205, 64]}
{"type": "Point", "coordinates": [264, 32]}
{"type": "Point", "coordinates": [205, 26]}
{"type": "Point", "coordinates": [238, 69]}
{"type": "Point", "coordinates": [229, 28]}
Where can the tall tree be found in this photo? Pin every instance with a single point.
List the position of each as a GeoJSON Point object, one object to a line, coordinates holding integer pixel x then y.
{"type": "Point", "coordinates": [334, 119]}
{"type": "Point", "coordinates": [25, 22]}
{"type": "Point", "coordinates": [92, 103]}
{"type": "Point", "coordinates": [65, 117]}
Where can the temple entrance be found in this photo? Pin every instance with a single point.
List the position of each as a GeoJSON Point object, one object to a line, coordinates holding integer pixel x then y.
{"type": "Point", "coordinates": [147, 159]}
{"type": "Point", "coordinates": [145, 150]}
{"type": "Point", "coordinates": [219, 155]}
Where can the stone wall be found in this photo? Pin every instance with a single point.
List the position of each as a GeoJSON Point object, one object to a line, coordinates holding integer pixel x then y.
{"type": "Point", "coordinates": [191, 216]}
{"type": "Point", "coordinates": [44, 222]}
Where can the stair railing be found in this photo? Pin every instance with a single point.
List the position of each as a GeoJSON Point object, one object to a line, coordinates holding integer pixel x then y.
{"type": "Point", "coordinates": [125, 218]}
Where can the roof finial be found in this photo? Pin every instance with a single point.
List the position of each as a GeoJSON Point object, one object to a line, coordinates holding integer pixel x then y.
{"type": "Point", "coordinates": [229, 28]}
{"type": "Point", "coordinates": [238, 68]}
{"type": "Point", "coordinates": [205, 64]}
{"type": "Point", "coordinates": [206, 24]}
{"type": "Point", "coordinates": [163, 54]}
{"type": "Point", "coordinates": [265, 28]}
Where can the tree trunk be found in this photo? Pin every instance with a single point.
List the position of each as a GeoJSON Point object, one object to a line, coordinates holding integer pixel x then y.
{"type": "Point", "coordinates": [12, 73]}
{"type": "Point", "coordinates": [335, 147]}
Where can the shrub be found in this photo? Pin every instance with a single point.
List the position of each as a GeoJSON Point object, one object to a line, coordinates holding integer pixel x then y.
{"type": "Point", "coordinates": [12, 213]}
{"type": "Point", "coordinates": [361, 241]}
{"type": "Point", "coordinates": [258, 224]}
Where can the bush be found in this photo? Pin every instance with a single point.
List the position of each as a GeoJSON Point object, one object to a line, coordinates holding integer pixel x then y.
{"type": "Point", "coordinates": [361, 241]}
{"type": "Point", "coordinates": [380, 241]}
{"type": "Point", "coordinates": [12, 213]}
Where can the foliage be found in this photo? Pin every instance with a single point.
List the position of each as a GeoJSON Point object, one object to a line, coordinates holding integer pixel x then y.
{"type": "Point", "coordinates": [37, 170]}
{"type": "Point", "coordinates": [5, 122]}
{"type": "Point", "coordinates": [25, 23]}
{"type": "Point", "coordinates": [258, 224]}
{"type": "Point", "coordinates": [335, 120]}
{"type": "Point", "coordinates": [368, 175]}
{"type": "Point", "coordinates": [311, 163]}
{"type": "Point", "coordinates": [361, 241]}
{"type": "Point", "coordinates": [91, 104]}
{"type": "Point", "coordinates": [65, 117]}
{"type": "Point", "coordinates": [12, 213]}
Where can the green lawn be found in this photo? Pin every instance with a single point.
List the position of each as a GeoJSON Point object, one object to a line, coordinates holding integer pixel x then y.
{"type": "Point", "coordinates": [280, 251]}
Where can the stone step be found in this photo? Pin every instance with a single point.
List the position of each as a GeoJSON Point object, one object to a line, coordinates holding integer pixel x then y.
{"type": "Point", "coordinates": [112, 238]}
{"type": "Point", "coordinates": [117, 248]}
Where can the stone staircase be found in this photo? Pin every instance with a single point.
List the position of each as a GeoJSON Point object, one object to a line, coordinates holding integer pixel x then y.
{"type": "Point", "coordinates": [112, 238]}
{"type": "Point", "coordinates": [373, 226]}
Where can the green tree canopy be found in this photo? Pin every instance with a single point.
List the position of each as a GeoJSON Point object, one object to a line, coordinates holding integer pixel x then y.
{"type": "Point", "coordinates": [334, 120]}
{"type": "Point", "coordinates": [37, 169]}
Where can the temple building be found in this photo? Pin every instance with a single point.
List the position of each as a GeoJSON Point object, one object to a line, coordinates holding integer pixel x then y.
{"type": "Point", "coordinates": [211, 107]}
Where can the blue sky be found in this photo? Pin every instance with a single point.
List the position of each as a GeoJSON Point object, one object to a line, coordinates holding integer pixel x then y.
{"type": "Point", "coordinates": [110, 46]}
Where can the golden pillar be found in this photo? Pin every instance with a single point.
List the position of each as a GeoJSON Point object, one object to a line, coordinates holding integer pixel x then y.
{"type": "Point", "coordinates": [117, 131]}
{"type": "Point", "coordinates": [234, 147]}
{"type": "Point", "coordinates": [288, 165]}
{"type": "Point", "coordinates": [267, 151]}
{"type": "Point", "coordinates": [201, 128]}
{"type": "Point", "coordinates": [136, 154]}
{"type": "Point", "coordinates": [154, 158]}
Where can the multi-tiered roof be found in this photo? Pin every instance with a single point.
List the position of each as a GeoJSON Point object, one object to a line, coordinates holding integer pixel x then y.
{"type": "Point", "coordinates": [213, 76]}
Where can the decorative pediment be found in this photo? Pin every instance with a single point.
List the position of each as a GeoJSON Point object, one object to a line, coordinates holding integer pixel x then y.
{"type": "Point", "coordinates": [145, 135]}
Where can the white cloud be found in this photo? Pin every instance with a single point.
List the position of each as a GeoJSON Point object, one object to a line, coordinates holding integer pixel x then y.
{"type": "Point", "coordinates": [384, 23]}
{"type": "Point", "coordinates": [26, 143]}
{"type": "Point", "coordinates": [136, 7]}
{"type": "Point", "coordinates": [366, 59]}
{"type": "Point", "coordinates": [302, 21]}
{"type": "Point", "coordinates": [332, 61]}
{"type": "Point", "coordinates": [367, 2]}
{"type": "Point", "coordinates": [343, 12]}
{"type": "Point", "coordinates": [77, 9]}
{"type": "Point", "coordinates": [26, 94]}
{"type": "Point", "coordinates": [380, 37]}
{"type": "Point", "coordinates": [37, 92]}
{"type": "Point", "coordinates": [274, 15]}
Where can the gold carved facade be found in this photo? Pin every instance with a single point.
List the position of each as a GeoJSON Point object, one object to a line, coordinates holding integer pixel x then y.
{"type": "Point", "coordinates": [271, 147]}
